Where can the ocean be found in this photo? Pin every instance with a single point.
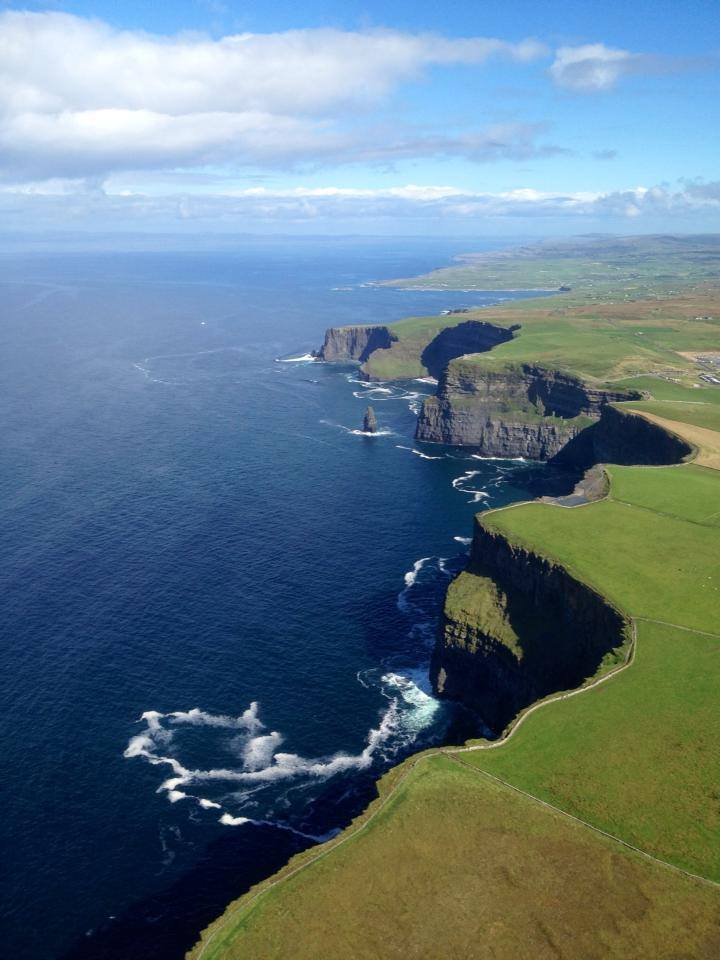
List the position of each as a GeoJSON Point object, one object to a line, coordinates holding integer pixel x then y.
{"type": "Point", "coordinates": [219, 597]}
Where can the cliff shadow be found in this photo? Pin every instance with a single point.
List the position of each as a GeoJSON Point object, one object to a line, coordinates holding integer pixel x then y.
{"type": "Point", "coordinates": [539, 632]}
{"type": "Point", "coordinates": [472, 336]}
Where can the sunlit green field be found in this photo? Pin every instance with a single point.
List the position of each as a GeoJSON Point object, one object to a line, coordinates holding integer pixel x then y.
{"type": "Point", "coordinates": [602, 341]}
{"type": "Point", "coordinates": [631, 266]}
{"type": "Point", "coordinates": [456, 865]}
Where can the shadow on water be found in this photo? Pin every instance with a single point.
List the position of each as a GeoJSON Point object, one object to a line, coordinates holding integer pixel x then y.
{"type": "Point", "coordinates": [166, 925]}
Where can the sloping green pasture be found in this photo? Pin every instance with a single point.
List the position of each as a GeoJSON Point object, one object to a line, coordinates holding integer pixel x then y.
{"type": "Point", "coordinates": [457, 866]}
{"type": "Point", "coordinates": [597, 342]}
{"type": "Point", "coordinates": [640, 755]}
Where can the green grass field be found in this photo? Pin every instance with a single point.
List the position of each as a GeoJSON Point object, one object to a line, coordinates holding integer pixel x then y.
{"type": "Point", "coordinates": [457, 866]}
{"type": "Point", "coordinates": [600, 267]}
{"type": "Point", "coordinates": [647, 562]}
{"type": "Point", "coordinates": [616, 756]}
{"type": "Point", "coordinates": [595, 341]}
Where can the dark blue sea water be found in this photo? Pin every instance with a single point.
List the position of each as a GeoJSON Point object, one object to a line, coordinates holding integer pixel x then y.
{"type": "Point", "coordinates": [218, 598]}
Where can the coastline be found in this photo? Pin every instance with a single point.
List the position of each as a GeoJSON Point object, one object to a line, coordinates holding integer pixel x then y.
{"type": "Point", "coordinates": [221, 932]}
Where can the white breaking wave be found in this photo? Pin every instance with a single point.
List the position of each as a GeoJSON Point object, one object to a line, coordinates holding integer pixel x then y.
{"type": "Point", "coordinates": [464, 540]}
{"type": "Point", "coordinates": [477, 456]}
{"type": "Point", "coordinates": [231, 821]}
{"type": "Point", "coordinates": [419, 453]}
{"type": "Point", "coordinates": [358, 433]}
{"type": "Point", "coordinates": [258, 752]}
{"type": "Point", "coordinates": [305, 358]}
{"type": "Point", "coordinates": [460, 484]}
{"type": "Point", "coordinates": [262, 763]}
{"type": "Point", "coordinates": [468, 475]}
{"type": "Point", "coordinates": [414, 690]}
{"type": "Point", "coordinates": [200, 718]}
{"type": "Point", "coordinates": [411, 576]}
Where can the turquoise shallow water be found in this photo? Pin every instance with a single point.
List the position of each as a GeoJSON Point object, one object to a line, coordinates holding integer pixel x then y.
{"type": "Point", "coordinates": [209, 577]}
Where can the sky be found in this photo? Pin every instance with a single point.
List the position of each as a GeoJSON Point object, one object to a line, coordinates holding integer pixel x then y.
{"type": "Point", "coordinates": [487, 118]}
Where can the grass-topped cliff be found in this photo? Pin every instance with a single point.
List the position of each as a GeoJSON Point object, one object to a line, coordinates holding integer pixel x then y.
{"type": "Point", "coordinates": [591, 828]}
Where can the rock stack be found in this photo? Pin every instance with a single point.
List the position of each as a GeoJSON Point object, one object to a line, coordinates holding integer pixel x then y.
{"type": "Point", "coordinates": [370, 423]}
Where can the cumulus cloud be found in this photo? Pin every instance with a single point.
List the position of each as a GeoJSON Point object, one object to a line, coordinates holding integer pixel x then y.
{"type": "Point", "coordinates": [78, 97]}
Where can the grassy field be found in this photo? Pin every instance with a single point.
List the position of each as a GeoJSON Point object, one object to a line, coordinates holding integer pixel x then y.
{"type": "Point", "coordinates": [599, 267]}
{"type": "Point", "coordinates": [596, 341]}
{"type": "Point", "coordinates": [649, 563]}
{"type": "Point", "coordinates": [640, 756]}
{"type": "Point", "coordinates": [457, 866]}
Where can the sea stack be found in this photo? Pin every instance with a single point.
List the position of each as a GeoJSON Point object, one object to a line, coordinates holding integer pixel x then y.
{"type": "Point", "coordinates": [370, 424]}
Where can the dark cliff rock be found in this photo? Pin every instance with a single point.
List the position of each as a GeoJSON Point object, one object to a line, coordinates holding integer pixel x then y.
{"type": "Point", "coordinates": [354, 343]}
{"type": "Point", "coordinates": [518, 627]}
{"type": "Point", "coordinates": [621, 436]}
{"type": "Point", "coordinates": [473, 336]}
{"type": "Point", "coordinates": [515, 410]}
{"type": "Point", "coordinates": [499, 435]}
{"type": "Point", "coordinates": [370, 423]}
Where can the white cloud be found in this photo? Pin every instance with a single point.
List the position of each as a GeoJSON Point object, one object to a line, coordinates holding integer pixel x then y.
{"type": "Point", "coordinates": [250, 208]}
{"type": "Point", "coordinates": [78, 97]}
{"type": "Point", "coordinates": [591, 67]}
{"type": "Point", "coordinates": [594, 67]}
{"type": "Point", "coordinates": [54, 62]}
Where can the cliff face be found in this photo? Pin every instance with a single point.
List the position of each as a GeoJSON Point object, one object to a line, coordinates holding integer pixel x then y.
{"type": "Point", "coordinates": [621, 436]}
{"type": "Point", "coordinates": [473, 336]}
{"type": "Point", "coordinates": [354, 343]}
{"type": "Point", "coordinates": [517, 627]}
{"type": "Point", "coordinates": [520, 410]}
{"type": "Point", "coordinates": [497, 435]}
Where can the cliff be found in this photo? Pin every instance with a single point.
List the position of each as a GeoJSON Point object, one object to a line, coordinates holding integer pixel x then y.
{"type": "Point", "coordinates": [517, 627]}
{"type": "Point", "coordinates": [354, 343]}
{"type": "Point", "coordinates": [472, 336]}
{"type": "Point", "coordinates": [512, 410]}
{"type": "Point", "coordinates": [415, 347]}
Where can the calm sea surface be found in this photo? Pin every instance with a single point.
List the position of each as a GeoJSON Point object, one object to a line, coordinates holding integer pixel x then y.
{"type": "Point", "coordinates": [218, 597]}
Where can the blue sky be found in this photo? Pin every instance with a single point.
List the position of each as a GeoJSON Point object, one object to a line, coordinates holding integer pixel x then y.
{"type": "Point", "coordinates": [475, 117]}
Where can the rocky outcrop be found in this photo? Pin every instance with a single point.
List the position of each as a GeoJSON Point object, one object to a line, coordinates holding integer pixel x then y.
{"type": "Point", "coordinates": [354, 343]}
{"type": "Point", "coordinates": [505, 435]}
{"type": "Point", "coordinates": [625, 437]}
{"type": "Point", "coordinates": [473, 336]}
{"type": "Point", "coordinates": [517, 627]}
{"type": "Point", "coordinates": [370, 423]}
{"type": "Point", "coordinates": [514, 410]}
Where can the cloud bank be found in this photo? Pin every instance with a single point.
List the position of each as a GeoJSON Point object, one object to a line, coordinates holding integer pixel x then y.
{"type": "Point", "coordinates": [78, 205]}
{"type": "Point", "coordinates": [80, 98]}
